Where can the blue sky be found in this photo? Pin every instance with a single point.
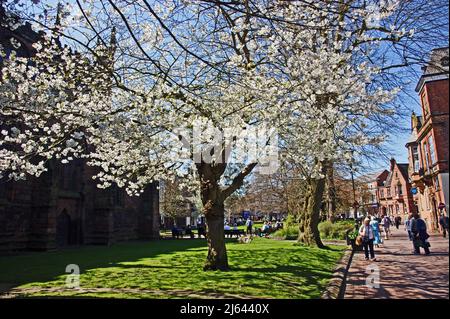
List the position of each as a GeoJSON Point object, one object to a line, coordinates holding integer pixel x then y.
{"type": "Point", "coordinates": [396, 144]}
{"type": "Point", "coordinates": [398, 141]}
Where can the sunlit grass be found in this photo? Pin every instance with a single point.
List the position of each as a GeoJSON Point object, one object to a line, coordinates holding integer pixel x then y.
{"type": "Point", "coordinates": [264, 268]}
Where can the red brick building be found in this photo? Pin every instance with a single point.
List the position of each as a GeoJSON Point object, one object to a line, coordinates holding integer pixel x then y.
{"type": "Point", "coordinates": [370, 202]}
{"type": "Point", "coordinates": [395, 194]}
{"type": "Point", "coordinates": [428, 145]}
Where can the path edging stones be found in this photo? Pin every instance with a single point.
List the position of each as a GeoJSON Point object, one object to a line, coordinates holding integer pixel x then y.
{"type": "Point", "coordinates": [336, 286]}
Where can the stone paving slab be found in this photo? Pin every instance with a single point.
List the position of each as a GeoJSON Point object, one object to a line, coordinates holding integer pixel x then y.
{"type": "Point", "coordinates": [402, 275]}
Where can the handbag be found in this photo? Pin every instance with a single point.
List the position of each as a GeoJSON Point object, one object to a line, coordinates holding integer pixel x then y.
{"type": "Point", "coordinates": [359, 240]}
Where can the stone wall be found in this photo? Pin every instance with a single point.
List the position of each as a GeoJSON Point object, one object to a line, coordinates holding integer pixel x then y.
{"type": "Point", "coordinates": [63, 207]}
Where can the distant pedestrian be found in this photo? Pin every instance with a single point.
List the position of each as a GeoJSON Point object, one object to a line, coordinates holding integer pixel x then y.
{"type": "Point", "coordinates": [277, 225]}
{"type": "Point", "coordinates": [265, 228]}
{"type": "Point", "coordinates": [249, 225]}
{"type": "Point", "coordinates": [419, 234]}
{"type": "Point", "coordinates": [398, 221]}
{"type": "Point", "coordinates": [368, 237]}
{"type": "Point", "coordinates": [201, 230]}
{"type": "Point", "coordinates": [376, 231]}
{"type": "Point", "coordinates": [443, 222]}
{"type": "Point", "coordinates": [386, 222]}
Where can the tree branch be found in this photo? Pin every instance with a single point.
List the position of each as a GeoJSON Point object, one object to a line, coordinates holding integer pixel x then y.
{"type": "Point", "coordinates": [238, 181]}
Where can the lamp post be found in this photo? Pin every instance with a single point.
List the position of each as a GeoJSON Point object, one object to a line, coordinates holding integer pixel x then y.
{"type": "Point", "coordinates": [355, 203]}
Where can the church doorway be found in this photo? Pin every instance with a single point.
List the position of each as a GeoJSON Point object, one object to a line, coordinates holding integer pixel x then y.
{"type": "Point", "coordinates": [63, 229]}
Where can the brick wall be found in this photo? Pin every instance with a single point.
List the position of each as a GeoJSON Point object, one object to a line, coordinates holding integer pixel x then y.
{"type": "Point", "coordinates": [438, 98]}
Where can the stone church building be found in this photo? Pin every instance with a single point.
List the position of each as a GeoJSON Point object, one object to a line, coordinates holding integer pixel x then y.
{"type": "Point", "coordinates": [63, 207]}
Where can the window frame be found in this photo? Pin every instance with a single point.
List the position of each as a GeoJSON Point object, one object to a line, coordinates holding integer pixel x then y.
{"type": "Point", "coordinates": [425, 105]}
{"type": "Point", "coordinates": [432, 149]}
{"type": "Point", "coordinates": [415, 152]}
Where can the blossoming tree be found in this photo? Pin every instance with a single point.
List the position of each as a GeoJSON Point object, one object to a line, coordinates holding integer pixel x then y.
{"type": "Point", "coordinates": [198, 91]}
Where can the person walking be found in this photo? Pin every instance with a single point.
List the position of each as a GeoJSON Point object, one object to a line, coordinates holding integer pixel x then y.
{"type": "Point", "coordinates": [368, 237]}
{"type": "Point", "coordinates": [249, 225]}
{"type": "Point", "coordinates": [386, 222]}
{"type": "Point", "coordinates": [265, 229]}
{"type": "Point", "coordinates": [419, 234]}
{"type": "Point", "coordinates": [398, 221]}
{"type": "Point", "coordinates": [443, 222]}
{"type": "Point", "coordinates": [376, 231]}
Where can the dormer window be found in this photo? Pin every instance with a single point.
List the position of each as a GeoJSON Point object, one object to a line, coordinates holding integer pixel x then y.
{"type": "Point", "coordinates": [444, 61]}
{"type": "Point", "coordinates": [399, 189]}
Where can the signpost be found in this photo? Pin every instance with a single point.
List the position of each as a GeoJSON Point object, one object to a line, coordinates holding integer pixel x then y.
{"type": "Point", "coordinates": [246, 214]}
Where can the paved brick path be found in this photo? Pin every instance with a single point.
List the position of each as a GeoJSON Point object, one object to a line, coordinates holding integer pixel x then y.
{"type": "Point", "coordinates": [402, 274]}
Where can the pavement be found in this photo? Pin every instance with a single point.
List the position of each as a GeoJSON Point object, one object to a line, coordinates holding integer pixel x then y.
{"type": "Point", "coordinates": [398, 273]}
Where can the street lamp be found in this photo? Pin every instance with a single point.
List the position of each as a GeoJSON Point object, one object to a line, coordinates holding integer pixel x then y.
{"type": "Point", "coordinates": [355, 203]}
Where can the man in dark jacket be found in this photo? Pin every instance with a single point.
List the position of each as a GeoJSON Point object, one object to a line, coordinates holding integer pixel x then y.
{"type": "Point", "coordinates": [398, 221]}
{"type": "Point", "coordinates": [419, 234]}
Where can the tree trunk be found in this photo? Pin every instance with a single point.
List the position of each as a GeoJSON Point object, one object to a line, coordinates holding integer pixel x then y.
{"type": "Point", "coordinates": [217, 254]}
{"type": "Point", "coordinates": [213, 198]}
{"type": "Point", "coordinates": [302, 220]}
{"type": "Point", "coordinates": [309, 225]}
{"type": "Point", "coordinates": [214, 210]}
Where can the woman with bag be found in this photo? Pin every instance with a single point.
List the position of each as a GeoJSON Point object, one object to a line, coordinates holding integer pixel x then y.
{"type": "Point", "coordinates": [367, 234]}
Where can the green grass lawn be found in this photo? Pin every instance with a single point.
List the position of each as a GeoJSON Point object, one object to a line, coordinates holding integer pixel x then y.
{"type": "Point", "coordinates": [265, 268]}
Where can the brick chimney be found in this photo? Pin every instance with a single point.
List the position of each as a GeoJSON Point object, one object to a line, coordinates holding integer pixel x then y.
{"type": "Point", "coordinates": [392, 163]}
{"type": "Point", "coordinates": [414, 121]}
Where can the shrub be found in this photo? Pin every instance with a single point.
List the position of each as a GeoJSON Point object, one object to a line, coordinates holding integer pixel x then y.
{"type": "Point", "coordinates": [289, 232]}
{"type": "Point", "coordinates": [325, 229]}
{"type": "Point", "coordinates": [337, 230]}
{"type": "Point", "coordinates": [290, 220]}
{"type": "Point", "coordinates": [353, 234]}
{"type": "Point", "coordinates": [328, 230]}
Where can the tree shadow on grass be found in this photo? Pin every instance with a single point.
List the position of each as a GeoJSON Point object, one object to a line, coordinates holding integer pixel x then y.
{"type": "Point", "coordinates": [177, 267]}
{"type": "Point", "coordinates": [46, 266]}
